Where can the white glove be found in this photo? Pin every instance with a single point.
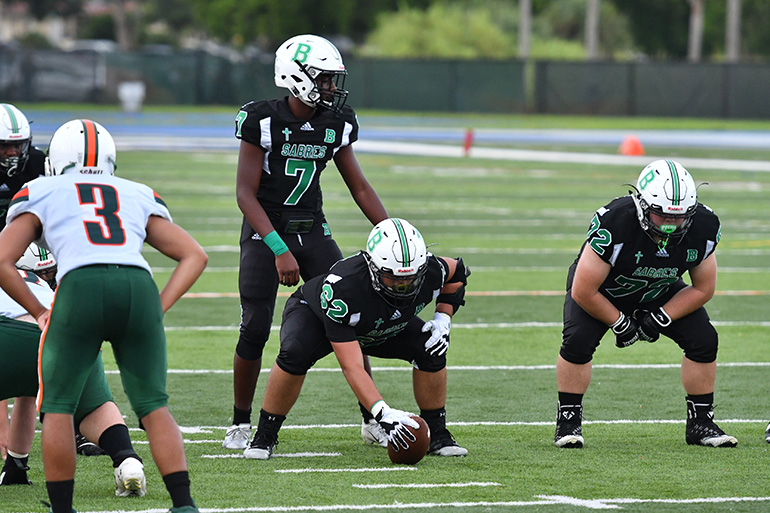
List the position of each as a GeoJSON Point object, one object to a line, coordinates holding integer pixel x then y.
{"type": "Point", "coordinates": [439, 327]}
{"type": "Point", "coordinates": [393, 422]}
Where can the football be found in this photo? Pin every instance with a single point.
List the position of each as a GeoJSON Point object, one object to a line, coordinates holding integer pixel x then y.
{"type": "Point", "coordinates": [417, 449]}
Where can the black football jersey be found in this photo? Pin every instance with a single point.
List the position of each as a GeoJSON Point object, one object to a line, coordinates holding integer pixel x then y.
{"type": "Point", "coordinates": [296, 150]}
{"type": "Point", "coordinates": [641, 271]}
{"type": "Point", "coordinates": [345, 300]}
{"type": "Point", "coordinates": [33, 168]}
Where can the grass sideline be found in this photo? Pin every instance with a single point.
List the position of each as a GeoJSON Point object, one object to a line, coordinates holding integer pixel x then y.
{"type": "Point", "coordinates": [518, 225]}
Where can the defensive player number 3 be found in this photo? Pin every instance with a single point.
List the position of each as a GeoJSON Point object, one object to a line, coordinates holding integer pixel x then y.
{"type": "Point", "coordinates": [105, 228]}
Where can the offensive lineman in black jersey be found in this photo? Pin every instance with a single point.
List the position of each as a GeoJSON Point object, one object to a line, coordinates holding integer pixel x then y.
{"type": "Point", "coordinates": [285, 145]}
{"type": "Point", "coordinates": [628, 278]}
{"type": "Point", "coordinates": [368, 303]}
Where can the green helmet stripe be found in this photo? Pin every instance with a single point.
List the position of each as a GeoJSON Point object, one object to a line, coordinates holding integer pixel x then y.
{"type": "Point", "coordinates": [675, 181]}
{"type": "Point", "coordinates": [15, 128]}
{"type": "Point", "coordinates": [404, 245]}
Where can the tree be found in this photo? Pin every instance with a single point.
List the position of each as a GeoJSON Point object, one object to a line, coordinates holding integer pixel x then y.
{"type": "Point", "coordinates": [733, 31]}
{"type": "Point", "coordinates": [592, 29]}
{"type": "Point", "coordinates": [525, 27]}
{"type": "Point", "coordinates": [444, 30]}
{"type": "Point", "coordinates": [695, 32]}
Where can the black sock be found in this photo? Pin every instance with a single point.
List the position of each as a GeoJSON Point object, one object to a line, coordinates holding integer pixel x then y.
{"type": "Point", "coordinates": [60, 495]}
{"type": "Point", "coordinates": [117, 443]}
{"type": "Point", "coordinates": [566, 399]}
{"type": "Point", "coordinates": [365, 412]}
{"type": "Point", "coordinates": [700, 406]}
{"type": "Point", "coordinates": [241, 416]}
{"type": "Point", "coordinates": [270, 423]}
{"type": "Point", "coordinates": [178, 486]}
{"type": "Point", "coordinates": [14, 463]}
{"type": "Point", "coordinates": [436, 419]}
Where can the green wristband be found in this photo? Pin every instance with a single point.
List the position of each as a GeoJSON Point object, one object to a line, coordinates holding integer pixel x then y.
{"type": "Point", "coordinates": [275, 243]}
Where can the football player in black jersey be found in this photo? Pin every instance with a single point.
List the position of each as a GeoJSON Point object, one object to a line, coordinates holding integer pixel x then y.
{"type": "Point", "coordinates": [20, 162]}
{"type": "Point", "coordinates": [368, 304]}
{"type": "Point", "coordinates": [285, 145]}
{"type": "Point", "coordinates": [628, 278]}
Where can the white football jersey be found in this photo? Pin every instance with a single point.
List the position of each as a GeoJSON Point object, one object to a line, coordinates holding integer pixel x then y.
{"type": "Point", "coordinates": [90, 219]}
{"type": "Point", "coordinates": [11, 309]}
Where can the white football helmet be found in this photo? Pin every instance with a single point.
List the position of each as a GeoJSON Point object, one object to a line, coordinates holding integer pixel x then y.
{"type": "Point", "coordinates": [81, 146]}
{"type": "Point", "coordinates": [14, 131]}
{"type": "Point", "coordinates": [665, 188]}
{"type": "Point", "coordinates": [300, 62]}
{"type": "Point", "coordinates": [39, 261]}
{"type": "Point", "coordinates": [398, 259]}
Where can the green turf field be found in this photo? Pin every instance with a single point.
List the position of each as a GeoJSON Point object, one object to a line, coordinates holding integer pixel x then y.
{"type": "Point", "coordinates": [518, 225]}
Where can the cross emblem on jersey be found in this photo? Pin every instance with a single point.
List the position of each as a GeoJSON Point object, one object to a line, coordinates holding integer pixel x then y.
{"type": "Point", "coordinates": [638, 256]}
{"type": "Point", "coordinates": [286, 132]}
{"type": "Point", "coordinates": [377, 323]}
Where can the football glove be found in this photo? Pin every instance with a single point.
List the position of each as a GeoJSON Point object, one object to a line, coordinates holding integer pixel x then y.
{"type": "Point", "coordinates": [394, 423]}
{"type": "Point", "coordinates": [626, 330]}
{"type": "Point", "coordinates": [650, 323]}
{"type": "Point", "coordinates": [439, 328]}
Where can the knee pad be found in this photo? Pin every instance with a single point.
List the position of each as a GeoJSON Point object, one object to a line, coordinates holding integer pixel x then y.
{"type": "Point", "coordinates": [254, 331]}
{"type": "Point", "coordinates": [575, 347]}
{"type": "Point", "coordinates": [704, 348]}
{"type": "Point", "coordinates": [293, 362]}
{"type": "Point", "coordinates": [428, 363]}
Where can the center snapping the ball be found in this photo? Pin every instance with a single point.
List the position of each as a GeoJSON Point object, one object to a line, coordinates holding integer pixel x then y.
{"type": "Point", "coordinates": [417, 449]}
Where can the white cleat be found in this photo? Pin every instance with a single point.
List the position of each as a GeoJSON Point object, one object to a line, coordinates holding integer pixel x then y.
{"type": "Point", "coordinates": [129, 479]}
{"type": "Point", "coordinates": [237, 437]}
{"type": "Point", "coordinates": [372, 433]}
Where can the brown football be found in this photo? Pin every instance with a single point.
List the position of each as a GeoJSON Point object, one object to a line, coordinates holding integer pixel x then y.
{"type": "Point", "coordinates": [417, 449]}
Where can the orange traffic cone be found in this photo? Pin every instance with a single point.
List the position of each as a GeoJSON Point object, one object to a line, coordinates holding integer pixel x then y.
{"type": "Point", "coordinates": [631, 146]}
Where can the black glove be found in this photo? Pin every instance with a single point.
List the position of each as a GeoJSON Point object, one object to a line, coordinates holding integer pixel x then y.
{"type": "Point", "coordinates": [626, 330]}
{"type": "Point", "coordinates": [650, 323]}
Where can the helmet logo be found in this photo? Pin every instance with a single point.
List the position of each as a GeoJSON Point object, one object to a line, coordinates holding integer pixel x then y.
{"type": "Point", "coordinates": [646, 179]}
{"type": "Point", "coordinates": [302, 53]}
{"type": "Point", "coordinates": [374, 240]}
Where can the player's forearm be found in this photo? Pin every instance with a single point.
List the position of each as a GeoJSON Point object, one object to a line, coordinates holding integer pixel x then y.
{"type": "Point", "coordinates": [686, 301]}
{"type": "Point", "coordinates": [596, 305]}
{"type": "Point", "coordinates": [17, 289]}
{"type": "Point", "coordinates": [187, 271]}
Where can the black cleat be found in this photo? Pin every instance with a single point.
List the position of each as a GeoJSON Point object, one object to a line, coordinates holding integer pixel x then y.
{"type": "Point", "coordinates": [569, 427]}
{"type": "Point", "coordinates": [443, 444]}
{"type": "Point", "coordinates": [86, 447]}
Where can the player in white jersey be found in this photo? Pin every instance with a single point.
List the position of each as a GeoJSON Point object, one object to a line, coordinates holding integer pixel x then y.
{"type": "Point", "coordinates": [96, 225]}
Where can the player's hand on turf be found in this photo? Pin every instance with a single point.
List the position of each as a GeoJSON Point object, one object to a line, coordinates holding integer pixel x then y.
{"type": "Point", "coordinates": [650, 323]}
{"type": "Point", "coordinates": [439, 328]}
{"type": "Point", "coordinates": [394, 423]}
{"type": "Point", "coordinates": [626, 330]}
